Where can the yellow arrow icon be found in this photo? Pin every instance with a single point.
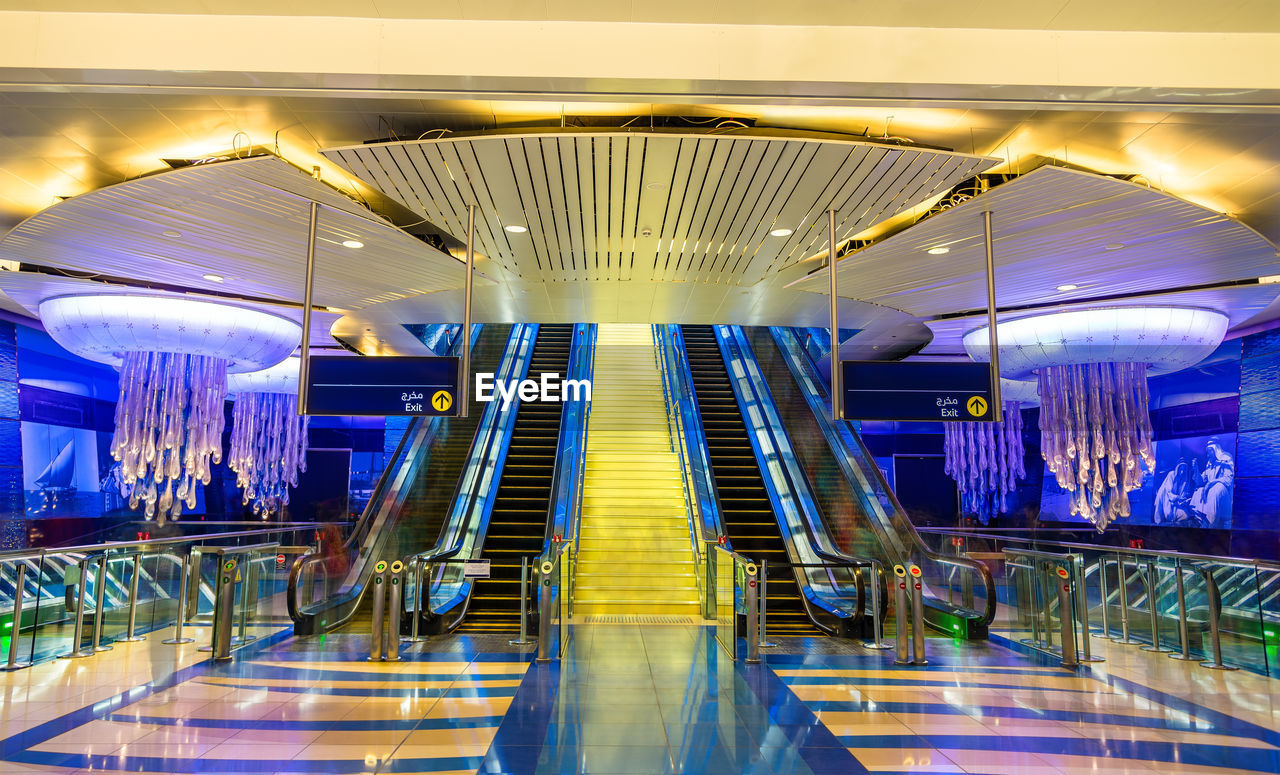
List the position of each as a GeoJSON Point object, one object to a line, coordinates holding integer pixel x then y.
{"type": "Point", "coordinates": [442, 400]}
{"type": "Point", "coordinates": [977, 406]}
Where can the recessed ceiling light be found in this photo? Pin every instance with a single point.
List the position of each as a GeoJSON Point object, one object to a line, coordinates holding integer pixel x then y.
{"type": "Point", "coordinates": [1067, 287]}
{"type": "Point", "coordinates": [1115, 246]}
{"type": "Point", "coordinates": [938, 251]}
{"type": "Point", "coordinates": [515, 228]}
{"type": "Point", "coordinates": [352, 243]}
{"type": "Point", "coordinates": [655, 186]}
{"type": "Point", "coordinates": [214, 278]}
{"type": "Point", "coordinates": [171, 233]}
{"type": "Point", "coordinates": [780, 233]}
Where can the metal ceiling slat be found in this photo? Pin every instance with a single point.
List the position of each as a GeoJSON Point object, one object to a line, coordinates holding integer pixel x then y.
{"type": "Point", "coordinates": [618, 149]}
{"type": "Point", "coordinates": [727, 227]}
{"type": "Point", "coordinates": [659, 162]}
{"type": "Point", "coordinates": [557, 209]}
{"type": "Point", "coordinates": [584, 148]}
{"type": "Point", "coordinates": [707, 194]}
{"type": "Point", "coordinates": [600, 151]}
{"type": "Point", "coordinates": [718, 215]}
{"type": "Point", "coordinates": [468, 183]}
{"type": "Point", "coordinates": [677, 190]}
{"type": "Point", "coordinates": [883, 192]}
{"type": "Point", "coordinates": [689, 206]}
{"type": "Point", "coordinates": [632, 184]}
{"type": "Point", "coordinates": [488, 221]}
{"type": "Point", "coordinates": [762, 158]}
{"type": "Point", "coordinates": [809, 198]}
{"type": "Point", "coordinates": [848, 178]}
{"type": "Point", "coordinates": [523, 176]}
{"type": "Point", "coordinates": [435, 179]}
{"type": "Point", "coordinates": [567, 154]}
{"type": "Point", "coordinates": [545, 232]}
{"type": "Point", "coordinates": [756, 215]}
{"type": "Point", "coordinates": [763, 254]}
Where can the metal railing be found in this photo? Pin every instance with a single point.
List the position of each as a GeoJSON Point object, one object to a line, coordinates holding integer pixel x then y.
{"type": "Point", "coordinates": [555, 573]}
{"type": "Point", "coordinates": [734, 580]}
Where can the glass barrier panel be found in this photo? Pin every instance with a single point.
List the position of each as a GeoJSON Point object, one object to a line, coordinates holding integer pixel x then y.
{"type": "Point", "coordinates": [1269, 606]}
{"type": "Point", "coordinates": [1240, 624]}
{"type": "Point", "coordinates": [723, 574]}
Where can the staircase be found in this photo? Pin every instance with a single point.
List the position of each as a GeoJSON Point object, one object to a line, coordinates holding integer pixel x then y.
{"type": "Point", "coordinates": [634, 554]}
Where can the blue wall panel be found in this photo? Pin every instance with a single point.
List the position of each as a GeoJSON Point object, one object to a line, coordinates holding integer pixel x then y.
{"type": "Point", "coordinates": [1257, 503]}
{"type": "Point", "coordinates": [1260, 411]}
{"type": "Point", "coordinates": [1259, 344]}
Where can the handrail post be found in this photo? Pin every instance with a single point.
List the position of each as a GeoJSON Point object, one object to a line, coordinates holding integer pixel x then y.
{"type": "Point", "coordinates": [77, 637]}
{"type": "Point", "coordinates": [15, 629]}
{"type": "Point", "coordinates": [100, 605]}
{"type": "Point", "coordinates": [1153, 595]}
{"type": "Point", "coordinates": [182, 605]}
{"type": "Point", "coordinates": [418, 565]}
{"type": "Point", "coordinates": [523, 640]}
{"type": "Point", "coordinates": [1122, 588]}
{"type": "Point", "coordinates": [876, 625]}
{"type": "Point", "coordinates": [1215, 611]}
{"type": "Point", "coordinates": [130, 636]}
{"type": "Point", "coordinates": [764, 605]}
{"type": "Point", "coordinates": [1102, 587]}
{"type": "Point", "coordinates": [902, 619]}
{"type": "Point", "coordinates": [917, 616]}
{"type": "Point", "coordinates": [394, 609]}
{"type": "Point", "coordinates": [752, 599]}
{"type": "Point", "coordinates": [1082, 606]}
{"type": "Point", "coordinates": [379, 611]}
{"type": "Point", "coordinates": [1183, 636]}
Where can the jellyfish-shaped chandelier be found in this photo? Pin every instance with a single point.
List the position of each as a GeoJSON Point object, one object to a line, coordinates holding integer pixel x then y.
{"type": "Point", "coordinates": [174, 354]}
{"type": "Point", "coordinates": [1092, 366]}
{"type": "Point", "coordinates": [986, 458]}
{"type": "Point", "coordinates": [268, 440]}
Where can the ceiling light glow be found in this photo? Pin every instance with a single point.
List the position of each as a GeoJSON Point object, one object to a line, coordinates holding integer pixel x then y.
{"type": "Point", "coordinates": [214, 278]}
{"type": "Point", "coordinates": [1067, 287]}
{"type": "Point", "coordinates": [171, 233]}
{"type": "Point", "coordinates": [938, 251]}
{"type": "Point", "coordinates": [352, 243]}
{"type": "Point", "coordinates": [1115, 245]}
{"type": "Point", "coordinates": [784, 232]}
{"type": "Point", "coordinates": [515, 228]}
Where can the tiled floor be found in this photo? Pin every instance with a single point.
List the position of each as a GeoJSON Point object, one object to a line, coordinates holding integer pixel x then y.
{"type": "Point", "coordinates": [630, 699]}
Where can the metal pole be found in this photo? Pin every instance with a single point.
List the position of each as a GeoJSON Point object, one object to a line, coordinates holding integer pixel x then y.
{"type": "Point", "coordinates": [16, 628]}
{"type": "Point", "coordinates": [1215, 611]}
{"type": "Point", "coordinates": [224, 605]}
{"type": "Point", "coordinates": [1102, 586]}
{"type": "Point", "coordinates": [1153, 597]}
{"type": "Point", "coordinates": [1122, 588]}
{"type": "Point", "coordinates": [464, 374]}
{"type": "Point", "coordinates": [997, 403]}
{"type": "Point", "coordinates": [182, 605]}
{"type": "Point", "coordinates": [1066, 619]}
{"type": "Point", "coordinates": [764, 605]}
{"type": "Point", "coordinates": [753, 615]}
{"type": "Point", "coordinates": [100, 605]}
{"type": "Point", "coordinates": [129, 634]}
{"type": "Point", "coordinates": [77, 637]}
{"type": "Point", "coordinates": [394, 608]}
{"type": "Point", "coordinates": [876, 625]}
{"type": "Point", "coordinates": [544, 611]}
{"type": "Point", "coordinates": [379, 612]}
{"type": "Point", "coordinates": [836, 403]}
{"type": "Point", "coordinates": [304, 365]}
{"type": "Point", "coordinates": [248, 598]}
{"type": "Point", "coordinates": [1046, 603]}
{"type": "Point", "coordinates": [1183, 637]}
{"type": "Point", "coordinates": [417, 601]}
{"type": "Point", "coordinates": [917, 618]}
{"type": "Point", "coordinates": [523, 640]}
{"type": "Point", "coordinates": [902, 620]}
{"type": "Point", "coordinates": [1082, 605]}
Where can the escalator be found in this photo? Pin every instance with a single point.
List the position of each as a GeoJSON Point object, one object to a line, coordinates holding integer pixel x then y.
{"type": "Point", "coordinates": [409, 506]}
{"type": "Point", "coordinates": [745, 507]}
{"type": "Point", "coordinates": [517, 526]}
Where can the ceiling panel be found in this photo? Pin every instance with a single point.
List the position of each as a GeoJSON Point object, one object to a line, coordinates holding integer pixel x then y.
{"type": "Point", "coordinates": [1053, 227]}
{"type": "Point", "coordinates": [683, 207]}
{"type": "Point", "coordinates": [244, 220]}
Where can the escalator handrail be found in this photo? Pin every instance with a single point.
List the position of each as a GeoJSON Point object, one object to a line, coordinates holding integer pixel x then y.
{"type": "Point", "coordinates": [571, 445]}
{"type": "Point", "coordinates": [422, 431]}
{"type": "Point", "coordinates": [841, 438]}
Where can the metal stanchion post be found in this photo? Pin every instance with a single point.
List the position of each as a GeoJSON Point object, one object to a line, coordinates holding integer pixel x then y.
{"type": "Point", "coordinates": [1122, 588]}
{"type": "Point", "coordinates": [77, 636]}
{"type": "Point", "coordinates": [379, 611]}
{"type": "Point", "coordinates": [902, 620]}
{"type": "Point", "coordinates": [130, 634]}
{"type": "Point", "coordinates": [764, 606]}
{"type": "Point", "coordinates": [394, 611]}
{"type": "Point", "coordinates": [917, 616]}
{"type": "Point", "coordinates": [1184, 638]}
{"type": "Point", "coordinates": [752, 599]}
{"type": "Point", "coordinates": [1102, 588]}
{"type": "Point", "coordinates": [414, 637]}
{"type": "Point", "coordinates": [15, 629]}
{"type": "Point", "coordinates": [1046, 600]}
{"type": "Point", "coordinates": [248, 598]}
{"type": "Point", "coordinates": [1082, 606]}
{"type": "Point", "coordinates": [224, 609]}
{"type": "Point", "coordinates": [182, 606]}
{"type": "Point", "coordinates": [1215, 611]}
{"type": "Point", "coordinates": [877, 641]}
{"type": "Point", "coordinates": [100, 605]}
{"type": "Point", "coordinates": [523, 640]}
{"type": "Point", "coordinates": [544, 611]}
{"type": "Point", "coordinates": [1153, 600]}
{"type": "Point", "coordinates": [1066, 617]}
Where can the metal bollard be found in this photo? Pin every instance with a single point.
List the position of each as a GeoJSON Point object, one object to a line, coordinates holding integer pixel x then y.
{"type": "Point", "coordinates": [1184, 637]}
{"type": "Point", "coordinates": [1044, 583]}
{"type": "Point", "coordinates": [131, 628]}
{"type": "Point", "coordinates": [1066, 618]}
{"type": "Point", "coordinates": [1082, 606]}
{"type": "Point", "coordinates": [1122, 587]}
{"type": "Point", "coordinates": [764, 606]}
{"type": "Point", "coordinates": [248, 600]}
{"type": "Point", "coordinates": [752, 600]}
{"type": "Point", "coordinates": [394, 609]}
{"type": "Point", "coordinates": [1153, 598]}
{"type": "Point", "coordinates": [77, 637]}
{"type": "Point", "coordinates": [544, 611]}
{"type": "Point", "coordinates": [917, 616]}
{"type": "Point", "coordinates": [100, 605]}
{"type": "Point", "coordinates": [16, 628]}
{"type": "Point", "coordinates": [1215, 611]}
{"type": "Point", "coordinates": [1102, 586]}
{"type": "Point", "coordinates": [224, 607]}
{"type": "Point", "coordinates": [902, 618]}
{"type": "Point", "coordinates": [417, 601]}
{"type": "Point", "coordinates": [877, 641]}
{"type": "Point", "coordinates": [523, 640]}
{"type": "Point", "coordinates": [379, 612]}
{"type": "Point", "coordinates": [182, 606]}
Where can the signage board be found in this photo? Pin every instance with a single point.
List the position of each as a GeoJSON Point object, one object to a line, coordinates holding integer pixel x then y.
{"type": "Point", "coordinates": [475, 569]}
{"type": "Point", "coordinates": [382, 386]}
{"type": "Point", "coordinates": [923, 392]}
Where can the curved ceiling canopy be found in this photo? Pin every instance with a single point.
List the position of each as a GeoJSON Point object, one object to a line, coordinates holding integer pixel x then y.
{"type": "Point", "coordinates": [654, 205]}
{"type": "Point", "coordinates": [240, 224]}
